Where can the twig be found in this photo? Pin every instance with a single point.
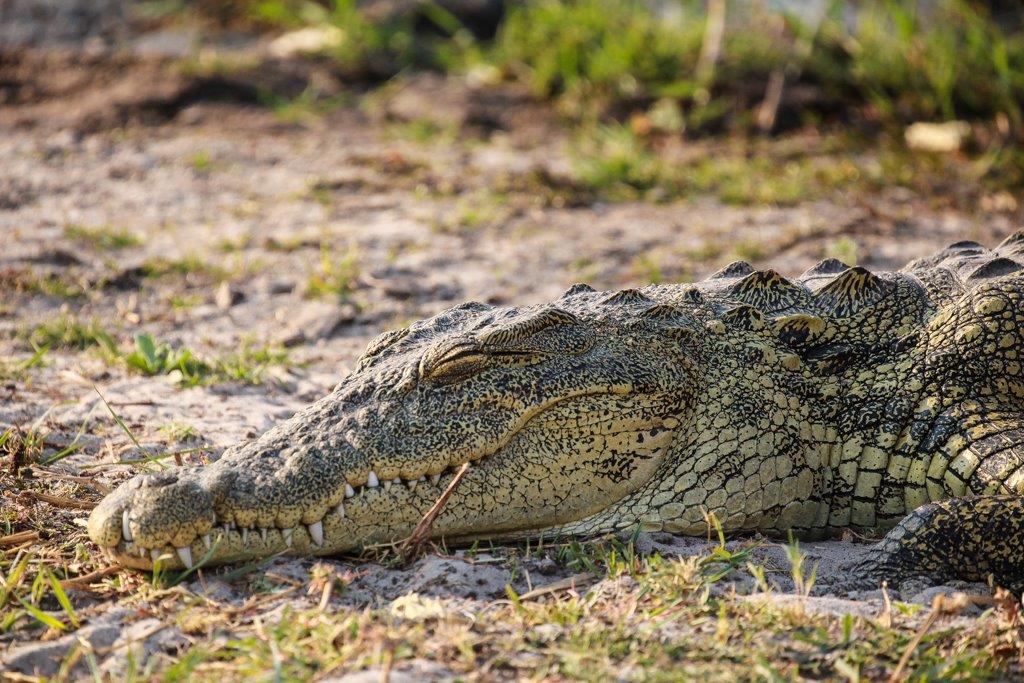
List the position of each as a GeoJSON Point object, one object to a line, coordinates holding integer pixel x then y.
{"type": "Point", "coordinates": [410, 547]}
{"type": "Point", "coordinates": [18, 538]}
{"type": "Point", "coordinates": [82, 582]}
{"type": "Point", "coordinates": [710, 49]}
{"type": "Point", "coordinates": [568, 583]}
{"type": "Point", "coordinates": [61, 502]}
{"type": "Point", "coordinates": [103, 489]}
{"type": "Point", "coordinates": [768, 110]}
{"type": "Point", "coordinates": [916, 640]}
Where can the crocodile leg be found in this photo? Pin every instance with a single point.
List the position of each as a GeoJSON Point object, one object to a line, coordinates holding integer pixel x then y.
{"type": "Point", "coordinates": [971, 539]}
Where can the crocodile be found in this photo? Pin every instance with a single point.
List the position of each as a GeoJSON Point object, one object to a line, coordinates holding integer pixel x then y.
{"type": "Point", "coordinates": [882, 403]}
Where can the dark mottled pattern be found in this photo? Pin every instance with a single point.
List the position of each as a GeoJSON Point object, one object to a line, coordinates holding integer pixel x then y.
{"type": "Point", "coordinates": [842, 399]}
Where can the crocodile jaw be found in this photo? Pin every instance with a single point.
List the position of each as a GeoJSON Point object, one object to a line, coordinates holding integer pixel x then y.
{"type": "Point", "coordinates": [189, 515]}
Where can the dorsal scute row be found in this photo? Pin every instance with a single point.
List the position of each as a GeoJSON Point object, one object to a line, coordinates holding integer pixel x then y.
{"type": "Point", "coordinates": [831, 304]}
{"type": "Point", "coordinates": [965, 265]}
{"type": "Point", "coordinates": [829, 316]}
{"type": "Point", "coordinates": [830, 289]}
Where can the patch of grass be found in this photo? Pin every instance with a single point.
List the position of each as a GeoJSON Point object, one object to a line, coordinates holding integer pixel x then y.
{"type": "Point", "coordinates": [615, 162]}
{"type": "Point", "coordinates": [103, 237]}
{"type": "Point", "coordinates": [190, 265]}
{"type": "Point", "coordinates": [337, 275]}
{"type": "Point", "coordinates": [473, 211]}
{"type": "Point", "coordinates": [636, 618]}
{"type": "Point", "coordinates": [61, 285]}
{"type": "Point", "coordinates": [749, 250]}
{"type": "Point", "coordinates": [151, 358]}
{"type": "Point", "coordinates": [227, 245]}
{"type": "Point", "coordinates": [648, 269]}
{"type": "Point", "coordinates": [692, 70]}
{"type": "Point", "coordinates": [177, 431]}
{"type": "Point", "coordinates": [68, 332]}
{"type": "Point", "coordinates": [12, 371]}
{"type": "Point", "coordinates": [844, 248]}
{"type": "Point", "coordinates": [27, 587]}
{"type": "Point", "coordinates": [201, 161]}
{"type": "Point", "coordinates": [906, 63]}
{"type": "Point", "coordinates": [184, 302]}
{"type": "Point", "coordinates": [425, 131]}
{"type": "Point", "coordinates": [602, 50]}
{"type": "Point", "coordinates": [707, 251]}
{"type": "Point", "coordinates": [956, 62]}
{"type": "Point", "coordinates": [380, 47]}
{"type": "Point", "coordinates": [803, 581]}
{"type": "Point", "coordinates": [22, 447]}
{"type": "Point", "coordinates": [306, 107]}
{"type": "Point", "coordinates": [248, 364]}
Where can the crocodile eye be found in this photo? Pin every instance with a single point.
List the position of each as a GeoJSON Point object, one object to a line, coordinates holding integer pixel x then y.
{"type": "Point", "coordinates": [461, 362]}
{"type": "Point", "coordinates": [452, 364]}
{"type": "Point", "coordinates": [455, 369]}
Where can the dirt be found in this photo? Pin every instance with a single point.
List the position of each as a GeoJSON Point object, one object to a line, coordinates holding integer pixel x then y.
{"type": "Point", "coordinates": [247, 197]}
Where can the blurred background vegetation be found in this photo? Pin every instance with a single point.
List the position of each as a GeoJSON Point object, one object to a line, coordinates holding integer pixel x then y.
{"type": "Point", "coordinates": [698, 65]}
{"type": "Point", "coordinates": [631, 74]}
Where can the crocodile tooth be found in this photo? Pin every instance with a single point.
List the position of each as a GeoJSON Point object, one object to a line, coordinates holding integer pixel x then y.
{"type": "Point", "coordinates": [349, 491]}
{"type": "Point", "coordinates": [140, 550]}
{"type": "Point", "coordinates": [341, 510]}
{"type": "Point", "coordinates": [287, 534]}
{"type": "Point", "coordinates": [263, 533]}
{"type": "Point", "coordinates": [207, 541]}
{"type": "Point", "coordinates": [372, 481]}
{"type": "Point", "coordinates": [186, 556]}
{"type": "Point", "coordinates": [434, 478]}
{"type": "Point", "coordinates": [411, 484]}
{"type": "Point", "coordinates": [316, 532]}
{"type": "Point", "coordinates": [422, 478]}
{"type": "Point", "coordinates": [125, 531]}
{"type": "Point", "coordinates": [387, 484]}
{"type": "Point", "coordinates": [245, 534]}
{"type": "Point", "coordinates": [226, 529]}
{"type": "Point", "coordinates": [154, 554]}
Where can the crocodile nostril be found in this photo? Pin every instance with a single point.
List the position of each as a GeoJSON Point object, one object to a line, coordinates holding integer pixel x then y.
{"type": "Point", "coordinates": [160, 479]}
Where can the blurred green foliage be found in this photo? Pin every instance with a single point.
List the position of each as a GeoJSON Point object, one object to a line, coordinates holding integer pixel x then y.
{"type": "Point", "coordinates": [376, 47]}
{"type": "Point", "coordinates": [631, 74]}
{"type": "Point", "coordinates": [888, 60]}
{"type": "Point", "coordinates": [906, 63]}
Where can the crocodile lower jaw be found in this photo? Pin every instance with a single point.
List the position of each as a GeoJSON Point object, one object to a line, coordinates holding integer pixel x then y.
{"type": "Point", "coordinates": [323, 537]}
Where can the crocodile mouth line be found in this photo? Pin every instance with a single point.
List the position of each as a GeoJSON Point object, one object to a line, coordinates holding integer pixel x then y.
{"type": "Point", "coordinates": [271, 539]}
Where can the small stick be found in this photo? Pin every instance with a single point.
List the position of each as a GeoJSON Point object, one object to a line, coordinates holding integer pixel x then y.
{"type": "Point", "coordinates": [82, 582]}
{"type": "Point", "coordinates": [916, 640]}
{"type": "Point", "coordinates": [568, 583]}
{"type": "Point", "coordinates": [710, 49]}
{"type": "Point", "coordinates": [325, 597]}
{"type": "Point", "coordinates": [18, 538]}
{"type": "Point", "coordinates": [410, 546]}
{"type": "Point", "coordinates": [61, 502]}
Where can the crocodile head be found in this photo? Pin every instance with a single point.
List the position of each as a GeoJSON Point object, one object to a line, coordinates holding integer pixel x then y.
{"type": "Point", "coordinates": [565, 413]}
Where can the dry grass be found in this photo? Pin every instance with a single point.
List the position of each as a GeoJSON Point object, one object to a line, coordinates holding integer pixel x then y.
{"type": "Point", "coordinates": [619, 614]}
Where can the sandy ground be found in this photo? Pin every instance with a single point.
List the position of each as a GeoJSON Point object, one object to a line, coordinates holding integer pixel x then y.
{"type": "Point", "coordinates": [256, 205]}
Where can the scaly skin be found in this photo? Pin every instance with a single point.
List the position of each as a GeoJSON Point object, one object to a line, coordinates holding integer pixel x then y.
{"type": "Point", "coordinates": [843, 400]}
